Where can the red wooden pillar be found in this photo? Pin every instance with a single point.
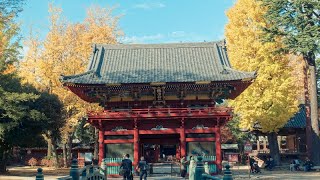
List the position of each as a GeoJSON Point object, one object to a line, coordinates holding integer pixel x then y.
{"type": "Point", "coordinates": [218, 149]}
{"type": "Point", "coordinates": [178, 150]}
{"type": "Point", "coordinates": [135, 143]}
{"type": "Point", "coordinates": [182, 139]}
{"type": "Point", "coordinates": [101, 145]}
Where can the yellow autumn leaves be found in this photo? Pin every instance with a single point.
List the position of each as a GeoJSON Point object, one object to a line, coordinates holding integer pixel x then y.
{"type": "Point", "coordinates": [66, 50]}
{"type": "Point", "coordinates": [271, 100]}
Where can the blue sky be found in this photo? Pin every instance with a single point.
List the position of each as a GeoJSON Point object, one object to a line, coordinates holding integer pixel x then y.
{"type": "Point", "coordinates": [142, 21]}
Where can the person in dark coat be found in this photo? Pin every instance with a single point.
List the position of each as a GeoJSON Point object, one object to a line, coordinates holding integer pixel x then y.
{"type": "Point", "coordinates": [126, 164]}
{"type": "Point", "coordinates": [143, 167]}
{"type": "Point", "coordinates": [183, 167]}
{"type": "Point", "coordinates": [308, 165]}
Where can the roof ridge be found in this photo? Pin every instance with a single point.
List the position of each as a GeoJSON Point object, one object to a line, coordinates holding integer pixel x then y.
{"type": "Point", "coordinates": [65, 77]}
{"type": "Point", "coordinates": [162, 45]}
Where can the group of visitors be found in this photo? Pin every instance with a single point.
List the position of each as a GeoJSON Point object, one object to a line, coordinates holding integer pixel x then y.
{"type": "Point", "coordinates": [295, 165]}
{"type": "Point", "coordinates": [142, 167]}
{"type": "Point", "coordinates": [126, 168]}
{"type": "Point", "coordinates": [254, 168]}
{"type": "Point", "coordinates": [192, 167]}
{"type": "Point", "coordinates": [269, 165]}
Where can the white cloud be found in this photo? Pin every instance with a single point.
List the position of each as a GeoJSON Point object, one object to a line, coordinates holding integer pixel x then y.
{"type": "Point", "coordinates": [178, 34]}
{"type": "Point", "coordinates": [170, 37]}
{"type": "Point", "coordinates": [148, 6]}
{"type": "Point", "coordinates": [142, 39]}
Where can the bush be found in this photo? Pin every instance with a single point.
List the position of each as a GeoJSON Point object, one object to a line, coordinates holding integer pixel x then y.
{"type": "Point", "coordinates": [32, 162]}
{"type": "Point", "coordinates": [46, 161]}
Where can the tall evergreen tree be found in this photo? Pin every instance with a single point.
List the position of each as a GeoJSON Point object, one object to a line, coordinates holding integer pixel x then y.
{"type": "Point", "coordinates": [297, 25]}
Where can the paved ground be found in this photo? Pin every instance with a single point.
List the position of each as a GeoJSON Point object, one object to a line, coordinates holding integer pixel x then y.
{"type": "Point", "coordinates": [27, 173]}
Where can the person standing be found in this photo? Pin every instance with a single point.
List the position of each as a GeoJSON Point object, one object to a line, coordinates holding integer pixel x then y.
{"type": "Point", "coordinates": [308, 165]}
{"type": "Point", "coordinates": [192, 168]}
{"type": "Point", "coordinates": [126, 165]}
{"type": "Point", "coordinates": [183, 167]}
{"type": "Point", "coordinates": [143, 168]}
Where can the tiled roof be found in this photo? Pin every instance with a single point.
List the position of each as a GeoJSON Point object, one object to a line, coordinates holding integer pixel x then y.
{"type": "Point", "coordinates": [298, 120]}
{"type": "Point", "coordinates": [145, 63]}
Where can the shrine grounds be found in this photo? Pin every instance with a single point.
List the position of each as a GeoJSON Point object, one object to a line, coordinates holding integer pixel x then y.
{"type": "Point", "coordinates": [239, 172]}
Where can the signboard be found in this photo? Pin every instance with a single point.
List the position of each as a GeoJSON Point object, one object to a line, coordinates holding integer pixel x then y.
{"type": "Point", "coordinates": [88, 157]}
{"type": "Point", "coordinates": [247, 147]}
{"type": "Point", "coordinates": [232, 157]}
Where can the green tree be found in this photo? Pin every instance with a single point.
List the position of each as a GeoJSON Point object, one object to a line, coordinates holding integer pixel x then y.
{"type": "Point", "coordinates": [297, 25]}
{"type": "Point", "coordinates": [23, 116]}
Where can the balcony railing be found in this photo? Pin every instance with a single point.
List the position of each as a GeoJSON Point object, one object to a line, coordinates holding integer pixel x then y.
{"type": "Point", "coordinates": [161, 113]}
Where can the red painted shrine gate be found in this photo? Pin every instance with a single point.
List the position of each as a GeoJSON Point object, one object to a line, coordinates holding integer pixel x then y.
{"type": "Point", "coordinates": [160, 100]}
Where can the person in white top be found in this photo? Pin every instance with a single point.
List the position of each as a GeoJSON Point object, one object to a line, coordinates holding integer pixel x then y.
{"type": "Point", "coordinates": [192, 168]}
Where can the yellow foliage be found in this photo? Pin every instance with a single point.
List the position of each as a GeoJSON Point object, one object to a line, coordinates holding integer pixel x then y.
{"type": "Point", "coordinates": [66, 50]}
{"type": "Point", "coordinates": [271, 100]}
{"type": "Point", "coordinates": [9, 70]}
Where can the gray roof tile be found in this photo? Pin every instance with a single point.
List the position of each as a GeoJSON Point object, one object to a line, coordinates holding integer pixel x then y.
{"type": "Point", "coordinates": [298, 120]}
{"type": "Point", "coordinates": [145, 63]}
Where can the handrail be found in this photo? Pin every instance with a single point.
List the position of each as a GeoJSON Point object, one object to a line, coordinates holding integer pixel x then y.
{"type": "Point", "coordinates": [163, 112]}
{"type": "Point", "coordinates": [149, 110]}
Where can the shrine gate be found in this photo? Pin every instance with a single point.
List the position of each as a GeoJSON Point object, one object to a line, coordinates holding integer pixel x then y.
{"type": "Point", "coordinates": [161, 101]}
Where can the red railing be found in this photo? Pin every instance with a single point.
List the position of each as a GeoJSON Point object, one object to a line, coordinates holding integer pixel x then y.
{"type": "Point", "coordinates": [161, 113]}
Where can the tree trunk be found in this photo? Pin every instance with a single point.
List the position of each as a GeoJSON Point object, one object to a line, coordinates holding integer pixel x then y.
{"type": "Point", "coordinates": [55, 154]}
{"type": "Point", "coordinates": [96, 144]}
{"type": "Point", "coordinates": [314, 149]}
{"type": "Point", "coordinates": [274, 148]}
{"type": "Point", "coordinates": [49, 150]}
{"type": "Point", "coordinates": [3, 161]}
{"type": "Point", "coordinates": [64, 151]}
{"type": "Point", "coordinates": [314, 100]}
{"type": "Point", "coordinates": [69, 150]}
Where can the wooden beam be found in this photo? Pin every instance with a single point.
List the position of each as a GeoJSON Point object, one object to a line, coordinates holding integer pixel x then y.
{"type": "Point", "coordinates": [118, 141]}
{"type": "Point", "coordinates": [202, 131]}
{"type": "Point", "coordinates": [128, 132]}
{"type": "Point", "coordinates": [200, 139]}
{"type": "Point", "coordinates": [167, 131]}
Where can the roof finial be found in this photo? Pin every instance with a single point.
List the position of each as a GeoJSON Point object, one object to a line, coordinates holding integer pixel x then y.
{"type": "Point", "coordinates": [94, 48]}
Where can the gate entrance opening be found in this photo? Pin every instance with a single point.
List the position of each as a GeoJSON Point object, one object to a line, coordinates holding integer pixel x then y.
{"type": "Point", "coordinates": [160, 148]}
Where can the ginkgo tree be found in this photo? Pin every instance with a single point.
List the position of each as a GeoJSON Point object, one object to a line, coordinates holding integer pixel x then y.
{"type": "Point", "coordinates": [271, 100]}
{"type": "Point", "coordinates": [297, 25]}
{"type": "Point", "coordinates": [25, 113]}
{"type": "Point", "coordinates": [66, 50]}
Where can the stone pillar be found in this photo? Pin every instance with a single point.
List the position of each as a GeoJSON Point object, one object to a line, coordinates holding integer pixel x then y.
{"type": "Point", "coordinates": [101, 145]}
{"type": "Point", "coordinates": [258, 145]}
{"type": "Point", "coordinates": [182, 139]}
